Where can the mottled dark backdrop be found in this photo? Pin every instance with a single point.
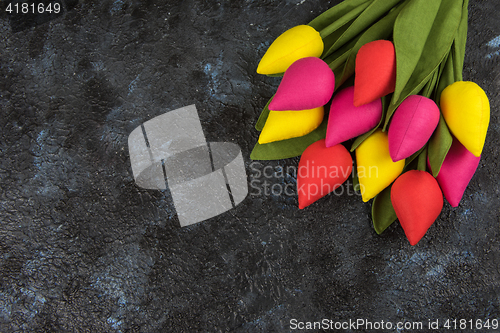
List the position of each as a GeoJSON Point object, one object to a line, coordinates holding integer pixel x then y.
{"type": "Point", "coordinates": [83, 249]}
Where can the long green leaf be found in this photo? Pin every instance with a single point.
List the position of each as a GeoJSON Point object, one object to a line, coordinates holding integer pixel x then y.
{"type": "Point", "coordinates": [459, 43]}
{"type": "Point", "coordinates": [410, 159]}
{"type": "Point", "coordinates": [422, 160]}
{"type": "Point", "coordinates": [435, 50]}
{"type": "Point", "coordinates": [383, 214]}
{"type": "Point", "coordinates": [411, 31]}
{"type": "Point", "coordinates": [430, 87]}
{"type": "Point", "coordinates": [349, 82]}
{"type": "Point", "coordinates": [337, 62]}
{"type": "Point", "coordinates": [446, 77]}
{"type": "Point", "coordinates": [380, 30]}
{"type": "Point", "coordinates": [442, 67]}
{"type": "Point", "coordinates": [338, 76]}
{"type": "Point", "coordinates": [376, 10]}
{"type": "Point", "coordinates": [355, 179]}
{"type": "Point", "coordinates": [334, 14]}
{"type": "Point", "coordinates": [349, 17]}
{"type": "Point", "coordinates": [288, 148]}
{"type": "Point", "coordinates": [329, 40]}
{"type": "Point", "coordinates": [439, 145]}
{"type": "Point", "coordinates": [263, 116]}
{"type": "Point", "coordinates": [338, 58]}
{"type": "Point", "coordinates": [441, 140]}
{"type": "Point", "coordinates": [275, 75]}
{"type": "Point", "coordinates": [413, 165]}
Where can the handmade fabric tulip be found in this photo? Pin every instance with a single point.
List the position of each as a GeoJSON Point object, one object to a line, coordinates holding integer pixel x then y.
{"type": "Point", "coordinates": [456, 172]}
{"type": "Point", "coordinates": [412, 125]}
{"type": "Point", "coordinates": [296, 43]}
{"type": "Point", "coordinates": [321, 171]}
{"type": "Point", "coordinates": [376, 170]}
{"type": "Point", "coordinates": [308, 83]}
{"type": "Point", "coordinates": [375, 71]}
{"type": "Point", "coordinates": [417, 201]}
{"type": "Point", "coordinates": [347, 121]}
{"type": "Point", "coordinates": [466, 110]}
{"type": "Point", "coordinates": [282, 125]}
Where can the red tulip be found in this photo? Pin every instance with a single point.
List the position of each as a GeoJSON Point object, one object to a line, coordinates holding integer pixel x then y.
{"type": "Point", "coordinates": [375, 71]}
{"type": "Point", "coordinates": [418, 201]}
{"type": "Point", "coordinates": [321, 171]}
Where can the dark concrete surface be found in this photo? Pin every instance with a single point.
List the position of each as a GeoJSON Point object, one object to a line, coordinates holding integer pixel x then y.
{"type": "Point", "coordinates": [83, 249]}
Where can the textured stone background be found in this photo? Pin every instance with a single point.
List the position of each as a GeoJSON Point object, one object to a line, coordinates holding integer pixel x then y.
{"type": "Point", "coordinates": [83, 249]}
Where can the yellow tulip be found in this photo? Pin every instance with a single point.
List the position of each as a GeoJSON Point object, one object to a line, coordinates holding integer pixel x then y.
{"type": "Point", "coordinates": [375, 167]}
{"type": "Point", "coordinates": [298, 42]}
{"type": "Point", "coordinates": [466, 110]}
{"type": "Point", "coordinates": [282, 125]}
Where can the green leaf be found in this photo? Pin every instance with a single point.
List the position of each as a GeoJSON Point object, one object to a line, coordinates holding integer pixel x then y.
{"type": "Point", "coordinates": [430, 86]}
{"type": "Point", "coordinates": [383, 214]}
{"type": "Point", "coordinates": [329, 17]}
{"type": "Point", "coordinates": [275, 75]}
{"type": "Point", "coordinates": [380, 30]}
{"type": "Point", "coordinates": [263, 116]}
{"type": "Point", "coordinates": [359, 140]}
{"type": "Point", "coordinates": [422, 160]}
{"type": "Point", "coordinates": [355, 179]}
{"type": "Point", "coordinates": [410, 159]}
{"type": "Point", "coordinates": [288, 148]}
{"type": "Point", "coordinates": [341, 22]}
{"type": "Point", "coordinates": [442, 67]}
{"type": "Point", "coordinates": [411, 31]}
{"type": "Point", "coordinates": [446, 77]}
{"type": "Point", "coordinates": [439, 145]}
{"type": "Point", "coordinates": [376, 10]}
{"type": "Point", "coordinates": [338, 58]}
{"type": "Point", "coordinates": [459, 43]}
{"type": "Point", "coordinates": [338, 77]}
{"type": "Point", "coordinates": [413, 165]}
{"type": "Point", "coordinates": [437, 45]}
{"type": "Point", "coordinates": [340, 85]}
{"type": "Point", "coordinates": [329, 40]}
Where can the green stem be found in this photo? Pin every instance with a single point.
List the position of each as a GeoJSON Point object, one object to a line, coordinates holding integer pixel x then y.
{"type": "Point", "coordinates": [422, 160]}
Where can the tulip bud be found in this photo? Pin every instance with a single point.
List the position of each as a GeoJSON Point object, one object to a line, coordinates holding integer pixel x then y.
{"type": "Point", "coordinates": [412, 125]}
{"type": "Point", "coordinates": [308, 83]}
{"type": "Point", "coordinates": [321, 170]}
{"type": "Point", "coordinates": [466, 110]}
{"type": "Point", "coordinates": [417, 201]}
{"type": "Point", "coordinates": [347, 121]}
{"type": "Point", "coordinates": [456, 172]}
{"type": "Point", "coordinates": [296, 43]}
{"type": "Point", "coordinates": [376, 170]}
{"type": "Point", "coordinates": [282, 125]}
{"type": "Point", "coordinates": [375, 71]}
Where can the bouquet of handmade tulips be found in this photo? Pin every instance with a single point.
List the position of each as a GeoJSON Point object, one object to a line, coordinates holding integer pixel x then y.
{"type": "Point", "coordinates": [416, 128]}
